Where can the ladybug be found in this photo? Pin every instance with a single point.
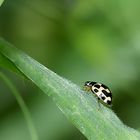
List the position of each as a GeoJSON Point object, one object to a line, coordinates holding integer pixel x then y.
{"type": "Point", "coordinates": [100, 90]}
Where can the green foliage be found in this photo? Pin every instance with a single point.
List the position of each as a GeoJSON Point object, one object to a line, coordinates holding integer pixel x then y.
{"type": "Point", "coordinates": [1, 1]}
{"type": "Point", "coordinates": [79, 107]}
{"type": "Point", "coordinates": [22, 105]}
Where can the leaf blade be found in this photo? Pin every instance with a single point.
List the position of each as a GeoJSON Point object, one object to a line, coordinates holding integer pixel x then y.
{"type": "Point", "coordinates": [80, 108]}
{"type": "Point", "coordinates": [1, 1]}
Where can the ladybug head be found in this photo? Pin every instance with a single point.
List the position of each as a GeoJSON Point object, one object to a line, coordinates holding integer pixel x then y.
{"type": "Point", "coordinates": [89, 83]}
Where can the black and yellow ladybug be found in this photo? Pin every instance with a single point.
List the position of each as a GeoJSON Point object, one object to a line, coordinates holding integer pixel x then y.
{"type": "Point", "coordinates": [100, 90]}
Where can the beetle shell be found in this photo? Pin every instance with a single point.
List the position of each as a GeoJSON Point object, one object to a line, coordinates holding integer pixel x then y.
{"type": "Point", "coordinates": [100, 90]}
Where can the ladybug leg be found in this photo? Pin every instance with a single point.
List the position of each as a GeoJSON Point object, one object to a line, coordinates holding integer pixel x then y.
{"type": "Point", "coordinates": [98, 103]}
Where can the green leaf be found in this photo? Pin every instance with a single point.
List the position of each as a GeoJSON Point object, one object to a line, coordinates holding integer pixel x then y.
{"type": "Point", "coordinates": [1, 1]}
{"type": "Point", "coordinates": [22, 105]}
{"type": "Point", "coordinates": [6, 63]}
{"type": "Point", "coordinates": [78, 106]}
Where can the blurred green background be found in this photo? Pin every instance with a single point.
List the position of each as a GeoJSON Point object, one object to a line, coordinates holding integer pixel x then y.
{"type": "Point", "coordinates": [79, 40]}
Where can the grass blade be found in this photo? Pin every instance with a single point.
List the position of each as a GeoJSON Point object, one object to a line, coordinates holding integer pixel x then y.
{"type": "Point", "coordinates": [79, 107]}
{"type": "Point", "coordinates": [22, 105]}
{"type": "Point", "coordinates": [1, 1]}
